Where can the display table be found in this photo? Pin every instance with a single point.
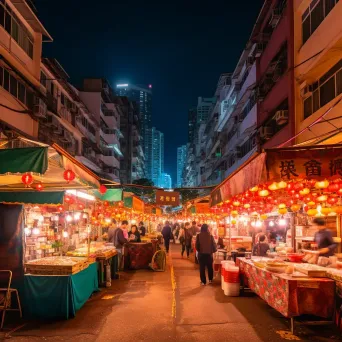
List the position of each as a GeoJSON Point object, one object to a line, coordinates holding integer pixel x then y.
{"type": "Point", "coordinates": [103, 262]}
{"type": "Point", "coordinates": [58, 297]}
{"type": "Point", "coordinates": [139, 255]}
{"type": "Point", "coordinates": [290, 296]}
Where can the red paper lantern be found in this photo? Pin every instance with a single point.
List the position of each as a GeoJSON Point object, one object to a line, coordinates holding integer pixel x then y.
{"type": "Point", "coordinates": [81, 206]}
{"type": "Point", "coordinates": [69, 175]}
{"type": "Point", "coordinates": [27, 179]}
{"type": "Point", "coordinates": [102, 189]}
{"type": "Point", "coordinates": [332, 200]}
{"type": "Point", "coordinates": [39, 187]}
{"type": "Point", "coordinates": [333, 187]}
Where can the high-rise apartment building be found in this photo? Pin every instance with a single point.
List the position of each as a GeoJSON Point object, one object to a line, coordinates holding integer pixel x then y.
{"type": "Point", "coordinates": [204, 107]}
{"type": "Point", "coordinates": [192, 118]}
{"type": "Point", "coordinates": [181, 158]}
{"type": "Point", "coordinates": [143, 97]}
{"type": "Point", "coordinates": [165, 181]}
{"type": "Point", "coordinates": [156, 144]}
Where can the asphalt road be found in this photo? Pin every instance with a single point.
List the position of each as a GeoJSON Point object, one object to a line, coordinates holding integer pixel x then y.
{"type": "Point", "coordinates": [138, 307]}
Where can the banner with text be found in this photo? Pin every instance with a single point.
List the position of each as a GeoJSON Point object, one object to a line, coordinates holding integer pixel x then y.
{"type": "Point", "coordinates": [309, 163]}
{"type": "Point", "coordinates": [167, 198]}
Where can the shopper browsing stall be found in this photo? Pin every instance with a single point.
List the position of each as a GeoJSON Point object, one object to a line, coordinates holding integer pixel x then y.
{"type": "Point", "coordinates": [261, 248]}
{"type": "Point", "coordinates": [134, 235]}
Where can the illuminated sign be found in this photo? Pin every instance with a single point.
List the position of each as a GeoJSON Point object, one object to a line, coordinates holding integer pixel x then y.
{"type": "Point", "coordinates": [167, 198]}
{"type": "Point", "coordinates": [122, 85]}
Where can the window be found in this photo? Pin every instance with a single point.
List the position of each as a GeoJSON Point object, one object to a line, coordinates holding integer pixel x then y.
{"type": "Point", "coordinates": [13, 86]}
{"type": "Point", "coordinates": [324, 90]}
{"type": "Point", "coordinates": [62, 99]}
{"type": "Point", "coordinates": [43, 78]}
{"type": "Point", "coordinates": [314, 15]}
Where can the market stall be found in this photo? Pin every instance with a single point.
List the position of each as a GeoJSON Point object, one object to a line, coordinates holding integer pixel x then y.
{"type": "Point", "coordinates": [45, 205]}
{"type": "Point", "coordinates": [286, 196]}
{"type": "Point", "coordinates": [290, 295]}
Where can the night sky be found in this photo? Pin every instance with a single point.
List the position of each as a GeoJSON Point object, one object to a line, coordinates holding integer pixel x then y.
{"type": "Point", "coordinates": [180, 47]}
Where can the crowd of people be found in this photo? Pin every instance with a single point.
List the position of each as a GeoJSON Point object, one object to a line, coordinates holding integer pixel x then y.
{"type": "Point", "coordinates": [205, 244]}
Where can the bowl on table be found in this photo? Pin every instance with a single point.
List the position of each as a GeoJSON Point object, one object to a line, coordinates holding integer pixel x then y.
{"type": "Point", "coordinates": [295, 257]}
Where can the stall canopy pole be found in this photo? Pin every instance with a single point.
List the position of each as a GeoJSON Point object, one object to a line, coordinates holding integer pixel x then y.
{"type": "Point", "coordinates": [293, 220]}
{"type": "Point", "coordinates": [338, 226]}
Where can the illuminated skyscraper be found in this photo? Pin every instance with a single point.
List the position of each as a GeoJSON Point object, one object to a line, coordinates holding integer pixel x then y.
{"type": "Point", "coordinates": [143, 97]}
{"type": "Point", "coordinates": [181, 158]}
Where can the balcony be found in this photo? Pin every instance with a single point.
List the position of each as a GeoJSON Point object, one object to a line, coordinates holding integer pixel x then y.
{"type": "Point", "coordinates": [110, 160]}
{"type": "Point", "coordinates": [249, 122]}
{"type": "Point", "coordinates": [109, 136]}
{"type": "Point", "coordinates": [85, 131]}
{"type": "Point", "coordinates": [109, 116]}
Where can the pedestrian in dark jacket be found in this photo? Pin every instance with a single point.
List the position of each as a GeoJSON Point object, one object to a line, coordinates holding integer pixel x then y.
{"type": "Point", "coordinates": [185, 238]}
{"type": "Point", "coordinates": [206, 246]}
{"type": "Point", "coordinates": [261, 248]}
{"type": "Point", "coordinates": [119, 241]}
{"type": "Point", "coordinates": [167, 235]}
{"type": "Point", "coordinates": [142, 229]}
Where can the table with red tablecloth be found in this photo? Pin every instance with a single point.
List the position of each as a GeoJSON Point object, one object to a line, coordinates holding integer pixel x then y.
{"type": "Point", "coordinates": [290, 296]}
{"type": "Point", "coordinates": [139, 255]}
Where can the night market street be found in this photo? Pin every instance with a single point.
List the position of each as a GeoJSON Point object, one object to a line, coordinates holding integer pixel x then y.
{"type": "Point", "coordinates": [139, 308]}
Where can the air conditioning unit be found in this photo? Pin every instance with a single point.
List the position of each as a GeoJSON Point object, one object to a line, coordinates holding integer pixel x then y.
{"type": "Point", "coordinates": [281, 117]}
{"type": "Point", "coordinates": [275, 17]}
{"type": "Point", "coordinates": [265, 132]}
{"type": "Point", "coordinates": [306, 92]}
{"type": "Point", "coordinates": [39, 108]}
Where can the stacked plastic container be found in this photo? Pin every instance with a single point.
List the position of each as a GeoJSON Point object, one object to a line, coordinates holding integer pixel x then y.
{"type": "Point", "coordinates": [230, 279]}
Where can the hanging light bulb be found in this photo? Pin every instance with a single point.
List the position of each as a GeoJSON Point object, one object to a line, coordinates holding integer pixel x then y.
{"type": "Point", "coordinates": [85, 215]}
{"type": "Point", "coordinates": [271, 223]}
{"type": "Point", "coordinates": [36, 231]}
{"type": "Point", "coordinates": [41, 218]}
{"type": "Point", "coordinates": [108, 220]}
{"type": "Point", "coordinates": [65, 234]}
{"type": "Point", "coordinates": [258, 224]}
{"type": "Point", "coordinates": [27, 231]}
{"type": "Point", "coordinates": [282, 222]}
{"type": "Point", "coordinates": [68, 218]}
{"type": "Point", "coordinates": [77, 216]}
{"type": "Point", "coordinates": [133, 221]}
{"type": "Point", "coordinates": [253, 224]}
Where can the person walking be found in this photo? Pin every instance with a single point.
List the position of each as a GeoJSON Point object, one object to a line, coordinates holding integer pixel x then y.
{"type": "Point", "coordinates": [206, 246]}
{"type": "Point", "coordinates": [185, 238]}
{"type": "Point", "coordinates": [167, 235]}
{"type": "Point", "coordinates": [142, 229]}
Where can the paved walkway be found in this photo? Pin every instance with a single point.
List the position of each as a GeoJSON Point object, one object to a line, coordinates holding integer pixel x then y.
{"type": "Point", "coordinates": [139, 308]}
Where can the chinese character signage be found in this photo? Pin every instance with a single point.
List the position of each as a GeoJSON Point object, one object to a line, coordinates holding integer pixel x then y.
{"type": "Point", "coordinates": [167, 198]}
{"type": "Point", "coordinates": [315, 163]}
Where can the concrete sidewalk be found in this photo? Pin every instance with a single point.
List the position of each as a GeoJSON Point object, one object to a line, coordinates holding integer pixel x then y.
{"type": "Point", "coordinates": [138, 307]}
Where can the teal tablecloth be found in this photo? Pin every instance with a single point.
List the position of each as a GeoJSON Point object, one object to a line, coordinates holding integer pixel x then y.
{"type": "Point", "coordinates": [59, 296]}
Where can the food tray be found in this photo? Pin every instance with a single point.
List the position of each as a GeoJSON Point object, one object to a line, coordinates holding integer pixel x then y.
{"type": "Point", "coordinates": [106, 254]}
{"type": "Point", "coordinates": [46, 266]}
{"type": "Point", "coordinates": [311, 270]}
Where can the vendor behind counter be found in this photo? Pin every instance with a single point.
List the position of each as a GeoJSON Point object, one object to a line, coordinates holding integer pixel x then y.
{"type": "Point", "coordinates": [324, 238]}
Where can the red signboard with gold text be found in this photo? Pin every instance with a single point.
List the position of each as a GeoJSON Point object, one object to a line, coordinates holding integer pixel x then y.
{"type": "Point", "coordinates": [315, 163]}
{"type": "Point", "coordinates": [167, 198]}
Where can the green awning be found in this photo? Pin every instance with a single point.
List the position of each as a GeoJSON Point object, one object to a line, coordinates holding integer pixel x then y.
{"type": "Point", "coordinates": [32, 197]}
{"type": "Point", "coordinates": [111, 195]}
{"type": "Point", "coordinates": [128, 202]}
{"type": "Point", "coordinates": [21, 160]}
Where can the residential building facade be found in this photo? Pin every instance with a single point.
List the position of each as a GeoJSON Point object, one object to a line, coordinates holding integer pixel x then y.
{"type": "Point", "coordinates": [98, 96]}
{"type": "Point", "coordinates": [21, 37]}
{"type": "Point", "coordinates": [318, 72]}
{"type": "Point", "coordinates": [181, 158]}
{"type": "Point", "coordinates": [254, 105]}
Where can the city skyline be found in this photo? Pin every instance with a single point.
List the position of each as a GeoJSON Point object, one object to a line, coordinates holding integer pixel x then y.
{"type": "Point", "coordinates": [164, 60]}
